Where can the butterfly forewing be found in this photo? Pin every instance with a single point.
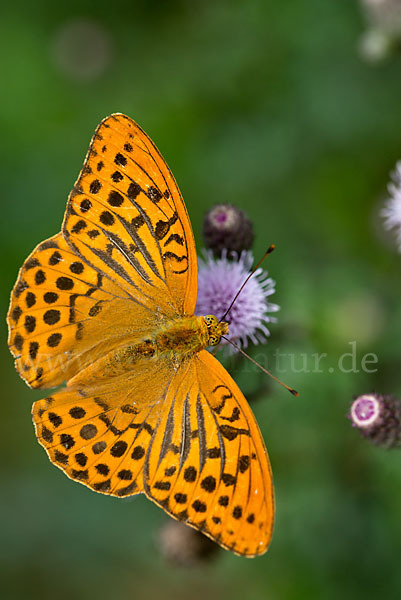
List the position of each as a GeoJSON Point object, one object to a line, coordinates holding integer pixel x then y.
{"type": "Point", "coordinates": [126, 217]}
{"type": "Point", "coordinates": [64, 315]}
{"type": "Point", "coordinates": [110, 284]}
{"type": "Point", "coordinates": [99, 435]}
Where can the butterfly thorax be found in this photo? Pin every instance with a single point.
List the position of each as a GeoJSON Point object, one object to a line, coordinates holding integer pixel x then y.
{"type": "Point", "coordinates": [178, 338]}
{"type": "Point", "coordinates": [185, 336]}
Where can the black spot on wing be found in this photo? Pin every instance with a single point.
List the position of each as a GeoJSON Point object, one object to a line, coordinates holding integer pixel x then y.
{"type": "Point", "coordinates": [120, 160]}
{"type": "Point", "coordinates": [133, 190]}
{"type": "Point", "coordinates": [235, 415]}
{"type": "Point", "coordinates": [230, 433]}
{"type": "Point", "coordinates": [243, 463]}
{"type": "Point", "coordinates": [175, 237]}
{"type": "Point", "coordinates": [154, 194]}
{"type": "Point", "coordinates": [190, 474]}
{"type": "Point", "coordinates": [30, 300]}
{"type": "Point", "coordinates": [224, 397]}
{"type": "Point", "coordinates": [177, 258]}
{"type": "Point", "coordinates": [79, 226]}
{"type": "Point", "coordinates": [162, 485]}
{"type": "Point", "coordinates": [117, 176]}
{"type": "Point", "coordinates": [163, 227]}
{"type": "Point", "coordinates": [18, 342]}
{"type": "Point", "coordinates": [213, 452]}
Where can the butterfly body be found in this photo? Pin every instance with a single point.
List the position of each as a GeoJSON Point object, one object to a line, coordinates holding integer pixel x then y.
{"type": "Point", "coordinates": [188, 335]}
{"type": "Point", "coordinates": [178, 339]}
{"type": "Point", "coordinates": [107, 306]}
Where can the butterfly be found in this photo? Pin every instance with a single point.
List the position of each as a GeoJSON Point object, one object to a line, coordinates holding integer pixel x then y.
{"type": "Point", "coordinates": [107, 306]}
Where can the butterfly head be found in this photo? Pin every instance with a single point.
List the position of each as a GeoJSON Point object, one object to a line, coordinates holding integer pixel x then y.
{"type": "Point", "coordinates": [215, 329]}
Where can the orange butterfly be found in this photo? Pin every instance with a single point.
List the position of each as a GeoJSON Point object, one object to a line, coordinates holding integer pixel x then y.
{"type": "Point", "coordinates": [107, 306]}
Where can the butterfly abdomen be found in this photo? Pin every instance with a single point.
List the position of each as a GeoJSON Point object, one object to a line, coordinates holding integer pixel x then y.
{"type": "Point", "coordinates": [114, 363]}
{"type": "Point", "coordinates": [181, 337]}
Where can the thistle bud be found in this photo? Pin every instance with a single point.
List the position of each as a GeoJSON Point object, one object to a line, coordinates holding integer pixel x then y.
{"type": "Point", "coordinates": [228, 227]}
{"type": "Point", "coordinates": [378, 418]}
{"type": "Point", "coordinates": [183, 546]}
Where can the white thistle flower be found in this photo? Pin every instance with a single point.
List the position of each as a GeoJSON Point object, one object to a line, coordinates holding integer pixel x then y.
{"type": "Point", "coordinates": [392, 209]}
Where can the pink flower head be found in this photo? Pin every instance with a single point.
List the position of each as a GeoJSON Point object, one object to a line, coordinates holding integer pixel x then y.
{"type": "Point", "coordinates": [218, 282]}
{"type": "Point", "coordinates": [226, 226]}
{"type": "Point", "coordinates": [378, 418]}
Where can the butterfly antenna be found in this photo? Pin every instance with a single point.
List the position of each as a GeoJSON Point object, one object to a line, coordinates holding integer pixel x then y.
{"type": "Point", "coordinates": [291, 390]}
{"type": "Point", "coordinates": [268, 251]}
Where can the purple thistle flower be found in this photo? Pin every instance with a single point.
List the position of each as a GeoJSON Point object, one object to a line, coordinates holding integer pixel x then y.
{"type": "Point", "coordinates": [218, 282]}
{"type": "Point", "coordinates": [378, 418]}
{"type": "Point", "coordinates": [226, 226]}
{"type": "Point", "coordinates": [392, 210]}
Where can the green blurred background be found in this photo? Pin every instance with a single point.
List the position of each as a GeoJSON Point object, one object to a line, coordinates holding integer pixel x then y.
{"type": "Point", "coordinates": [270, 106]}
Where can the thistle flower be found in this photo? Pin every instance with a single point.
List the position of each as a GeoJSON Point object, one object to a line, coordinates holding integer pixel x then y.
{"type": "Point", "coordinates": [378, 418]}
{"type": "Point", "coordinates": [383, 34]}
{"type": "Point", "coordinates": [392, 210]}
{"type": "Point", "coordinates": [220, 279]}
{"type": "Point", "coordinates": [384, 14]}
{"type": "Point", "coordinates": [228, 227]}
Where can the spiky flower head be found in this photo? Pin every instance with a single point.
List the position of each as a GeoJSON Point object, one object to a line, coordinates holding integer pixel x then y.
{"type": "Point", "coordinates": [378, 418]}
{"type": "Point", "coordinates": [384, 15]}
{"type": "Point", "coordinates": [228, 227]}
{"type": "Point", "coordinates": [184, 547]}
{"type": "Point", "coordinates": [220, 279]}
{"type": "Point", "coordinates": [382, 36]}
{"type": "Point", "coordinates": [392, 210]}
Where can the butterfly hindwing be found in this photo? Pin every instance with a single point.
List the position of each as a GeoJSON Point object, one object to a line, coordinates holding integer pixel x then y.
{"type": "Point", "coordinates": [100, 435]}
{"type": "Point", "coordinates": [191, 444]}
{"type": "Point", "coordinates": [207, 464]}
